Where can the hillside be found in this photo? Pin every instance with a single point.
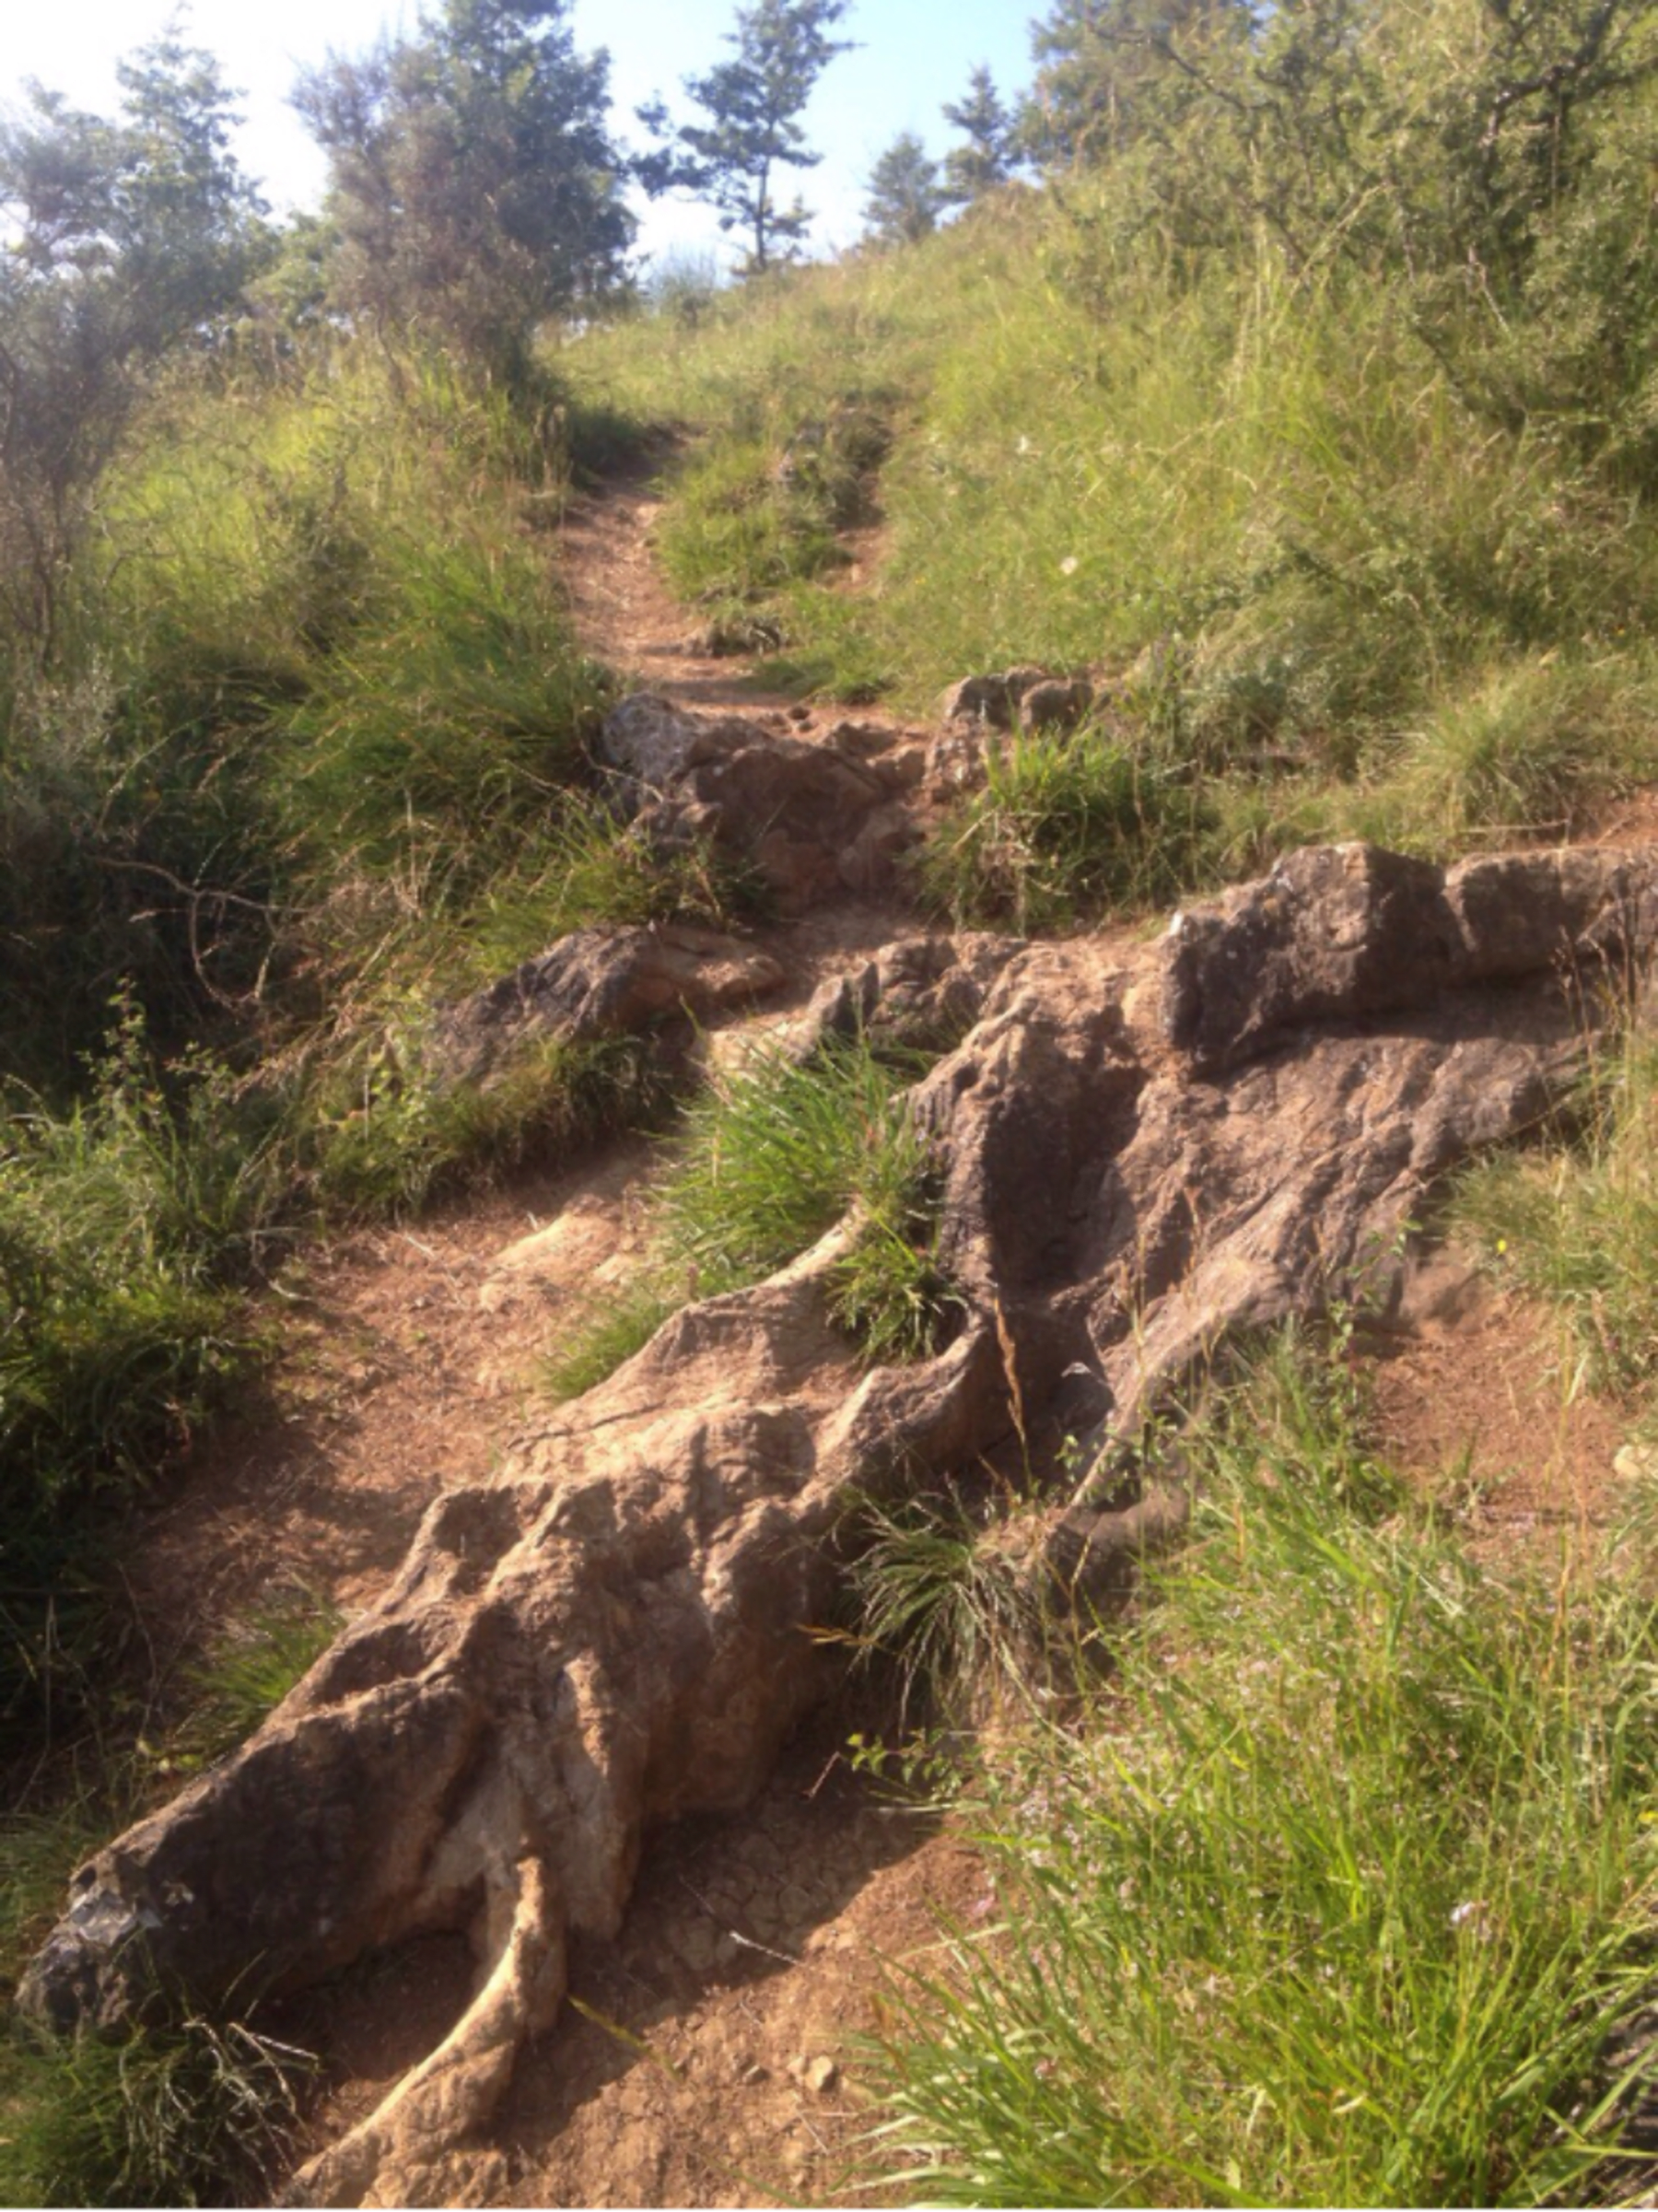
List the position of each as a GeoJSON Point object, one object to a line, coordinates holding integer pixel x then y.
{"type": "Point", "coordinates": [827, 1198]}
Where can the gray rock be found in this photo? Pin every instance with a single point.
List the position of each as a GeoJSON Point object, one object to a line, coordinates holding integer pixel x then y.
{"type": "Point", "coordinates": [1055, 704]}
{"type": "Point", "coordinates": [990, 699]}
{"type": "Point", "coordinates": [601, 982]}
{"type": "Point", "coordinates": [925, 992]}
{"type": "Point", "coordinates": [811, 819]}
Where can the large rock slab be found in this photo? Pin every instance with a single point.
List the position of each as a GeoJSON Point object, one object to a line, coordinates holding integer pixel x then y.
{"type": "Point", "coordinates": [1340, 932]}
{"type": "Point", "coordinates": [1145, 1149]}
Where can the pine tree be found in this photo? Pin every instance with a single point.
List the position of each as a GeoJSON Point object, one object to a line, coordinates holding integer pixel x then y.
{"type": "Point", "coordinates": [753, 104]}
{"type": "Point", "coordinates": [987, 160]}
{"type": "Point", "coordinates": [905, 198]}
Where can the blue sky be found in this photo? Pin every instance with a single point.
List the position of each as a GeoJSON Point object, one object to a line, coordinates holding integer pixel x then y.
{"type": "Point", "coordinates": [912, 56]}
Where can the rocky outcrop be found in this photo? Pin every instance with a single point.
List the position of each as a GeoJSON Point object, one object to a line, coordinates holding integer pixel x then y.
{"type": "Point", "coordinates": [1347, 930]}
{"type": "Point", "coordinates": [601, 982]}
{"type": "Point", "coordinates": [1017, 698]}
{"type": "Point", "coordinates": [1145, 1148]}
{"type": "Point", "coordinates": [922, 993]}
{"type": "Point", "coordinates": [811, 819]}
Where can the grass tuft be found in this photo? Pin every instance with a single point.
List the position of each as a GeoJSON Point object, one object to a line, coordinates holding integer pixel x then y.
{"type": "Point", "coordinates": [1064, 831]}
{"type": "Point", "coordinates": [1577, 1222]}
{"type": "Point", "coordinates": [768, 1158]}
{"type": "Point", "coordinates": [196, 2115]}
{"type": "Point", "coordinates": [940, 1592]}
{"type": "Point", "coordinates": [249, 1672]}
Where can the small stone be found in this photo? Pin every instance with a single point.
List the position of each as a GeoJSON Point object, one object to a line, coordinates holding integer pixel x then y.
{"type": "Point", "coordinates": [698, 1945]}
{"type": "Point", "coordinates": [821, 2076]}
{"type": "Point", "coordinates": [1636, 1462]}
{"type": "Point", "coordinates": [797, 1905]}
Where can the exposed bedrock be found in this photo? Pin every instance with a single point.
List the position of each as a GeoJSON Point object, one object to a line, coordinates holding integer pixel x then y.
{"type": "Point", "coordinates": [813, 820]}
{"type": "Point", "coordinates": [607, 981]}
{"type": "Point", "coordinates": [1146, 1147]}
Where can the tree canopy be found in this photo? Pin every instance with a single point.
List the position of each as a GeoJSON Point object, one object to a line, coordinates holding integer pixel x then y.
{"type": "Point", "coordinates": [990, 156]}
{"type": "Point", "coordinates": [129, 236]}
{"type": "Point", "coordinates": [905, 197]}
{"type": "Point", "coordinates": [476, 190]}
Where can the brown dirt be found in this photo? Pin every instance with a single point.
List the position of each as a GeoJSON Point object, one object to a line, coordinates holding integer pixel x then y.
{"type": "Point", "coordinates": [707, 2059]}
{"type": "Point", "coordinates": [625, 616]}
{"type": "Point", "coordinates": [1487, 1404]}
{"type": "Point", "coordinates": [716, 2060]}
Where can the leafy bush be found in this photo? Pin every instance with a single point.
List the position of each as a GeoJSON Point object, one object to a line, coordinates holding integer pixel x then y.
{"type": "Point", "coordinates": [124, 1225]}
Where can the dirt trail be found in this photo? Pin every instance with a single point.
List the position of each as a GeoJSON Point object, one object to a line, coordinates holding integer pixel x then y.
{"type": "Point", "coordinates": [704, 2060]}
{"type": "Point", "coordinates": [708, 2057]}
{"type": "Point", "coordinates": [620, 609]}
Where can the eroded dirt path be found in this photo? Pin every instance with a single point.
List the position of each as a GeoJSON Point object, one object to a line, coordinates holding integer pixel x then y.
{"type": "Point", "coordinates": [709, 2057]}
{"type": "Point", "coordinates": [705, 2059]}
{"type": "Point", "coordinates": [623, 612]}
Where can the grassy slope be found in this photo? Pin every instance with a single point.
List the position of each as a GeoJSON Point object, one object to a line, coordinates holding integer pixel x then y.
{"type": "Point", "coordinates": [1307, 571]}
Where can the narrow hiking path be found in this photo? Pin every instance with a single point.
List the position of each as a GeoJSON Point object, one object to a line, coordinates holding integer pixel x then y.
{"type": "Point", "coordinates": [409, 1354]}
{"type": "Point", "coordinates": [705, 2057]}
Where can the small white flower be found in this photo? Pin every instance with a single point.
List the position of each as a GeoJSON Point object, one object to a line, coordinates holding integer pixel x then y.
{"type": "Point", "coordinates": [1070, 565]}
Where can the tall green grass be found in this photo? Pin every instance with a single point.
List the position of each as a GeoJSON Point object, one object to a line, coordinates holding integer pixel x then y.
{"type": "Point", "coordinates": [1339, 1892]}
{"type": "Point", "coordinates": [198, 2114]}
{"type": "Point", "coordinates": [1309, 565]}
{"type": "Point", "coordinates": [1575, 1220]}
{"type": "Point", "coordinates": [312, 765]}
{"type": "Point", "coordinates": [767, 1158]}
{"type": "Point", "coordinates": [1065, 828]}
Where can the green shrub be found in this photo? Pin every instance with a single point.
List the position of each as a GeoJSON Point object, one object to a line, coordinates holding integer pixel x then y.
{"type": "Point", "coordinates": [1338, 1892]}
{"type": "Point", "coordinates": [124, 1225]}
